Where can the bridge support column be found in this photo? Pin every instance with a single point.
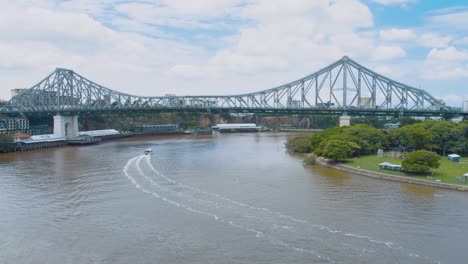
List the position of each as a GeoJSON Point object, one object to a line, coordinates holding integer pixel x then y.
{"type": "Point", "coordinates": [345, 120]}
{"type": "Point", "coordinates": [66, 126]}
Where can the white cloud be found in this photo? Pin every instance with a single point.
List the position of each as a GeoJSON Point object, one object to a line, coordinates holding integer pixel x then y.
{"type": "Point", "coordinates": [181, 13]}
{"type": "Point", "coordinates": [448, 54]}
{"type": "Point", "coordinates": [452, 99]}
{"type": "Point", "coordinates": [434, 40]}
{"type": "Point", "coordinates": [462, 41]}
{"type": "Point", "coordinates": [39, 40]}
{"type": "Point", "coordinates": [397, 71]}
{"type": "Point", "coordinates": [305, 31]}
{"type": "Point", "coordinates": [388, 53]}
{"type": "Point", "coordinates": [420, 37]}
{"type": "Point", "coordinates": [456, 20]}
{"type": "Point", "coordinates": [191, 47]}
{"type": "Point", "coordinates": [396, 34]}
{"type": "Point", "coordinates": [394, 2]}
{"type": "Point", "coordinates": [446, 64]}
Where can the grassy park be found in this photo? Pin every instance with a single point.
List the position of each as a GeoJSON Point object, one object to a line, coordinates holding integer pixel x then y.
{"type": "Point", "coordinates": [425, 140]}
{"type": "Point", "coordinates": [447, 172]}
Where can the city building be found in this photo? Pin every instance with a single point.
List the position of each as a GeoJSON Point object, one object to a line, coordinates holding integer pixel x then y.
{"type": "Point", "coordinates": [14, 124]}
{"type": "Point", "coordinates": [294, 103]}
{"type": "Point", "coordinates": [365, 102]}
{"type": "Point", "coordinates": [3, 125]}
{"type": "Point", "coordinates": [17, 91]}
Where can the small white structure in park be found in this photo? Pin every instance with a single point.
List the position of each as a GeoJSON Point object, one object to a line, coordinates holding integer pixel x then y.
{"type": "Point", "coordinates": [390, 166]}
{"type": "Point", "coordinates": [454, 157]}
{"type": "Point", "coordinates": [465, 177]}
{"type": "Point", "coordinates": [380, 153]}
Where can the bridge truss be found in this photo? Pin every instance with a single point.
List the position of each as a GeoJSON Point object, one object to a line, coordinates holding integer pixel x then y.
{"type": "Point", "coordinates": [344, 87]}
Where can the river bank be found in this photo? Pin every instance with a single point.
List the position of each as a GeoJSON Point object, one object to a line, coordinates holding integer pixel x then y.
{"type": "Point", "coordinates": [323, 162]}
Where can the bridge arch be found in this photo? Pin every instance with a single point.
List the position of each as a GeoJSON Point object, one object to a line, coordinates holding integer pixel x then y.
{"type": "Point", "coordinates": [341, 87]}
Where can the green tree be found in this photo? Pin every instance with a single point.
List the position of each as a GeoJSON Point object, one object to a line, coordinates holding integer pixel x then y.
{"type": "Point", "coordinates": [323, 121]}
{"type": "Point", "coordinates": [373, 121]}
{"type": "Point", "coordinates": [421, 161]}
{"type": "Point", "coordinates": [318, 140]}
{"type": "Point", "coordinates": [6, 142]}
{"type": "Point", "coordinates": [462, 144]}
{"type": "Point", "coordinates": [413, 136]}
{"type": "Point", "coordinates": [406, 120]}
{"type": "Point", "coordinates": [368, 138]}
{"type": "Point", "coordinates": [299, 145]}
{"type": "Point", "coordinates": [337, 150]}
{"type": "Point", "coordinates": [445, 136]}
{"type": "Point", "coordinates": [365, 139]}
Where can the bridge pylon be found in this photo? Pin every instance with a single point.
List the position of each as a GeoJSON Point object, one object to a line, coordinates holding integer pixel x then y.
{"type": "Point", "coordinates": [345, 120]}
{"type": "Point", "coordinates": [66, 126]}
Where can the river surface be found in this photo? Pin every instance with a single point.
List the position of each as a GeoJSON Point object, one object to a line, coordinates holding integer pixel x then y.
{"type": "Point", "coordinates": [230, 198]}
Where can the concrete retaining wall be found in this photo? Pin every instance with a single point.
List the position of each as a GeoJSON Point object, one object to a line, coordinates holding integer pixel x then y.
{"type": "Point", "coordinates": [378, 175]}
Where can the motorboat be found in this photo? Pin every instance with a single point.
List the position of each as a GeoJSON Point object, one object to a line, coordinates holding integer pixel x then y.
{"type": "Point", "coordinates": [148, 151]}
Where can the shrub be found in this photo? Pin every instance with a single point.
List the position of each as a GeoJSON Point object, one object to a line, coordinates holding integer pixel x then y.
{"type": "Point", "coordinates": [421, 161]}
{"type": "Point", "coordinates": [299, 145]}
{"type": "Point", "coordinates": [6, 143]}
{"type": "Point", "coordinates": [310, 159]}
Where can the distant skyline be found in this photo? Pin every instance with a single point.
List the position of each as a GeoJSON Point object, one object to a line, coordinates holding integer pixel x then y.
{"type": "Point", "coordinates": [221, 47]}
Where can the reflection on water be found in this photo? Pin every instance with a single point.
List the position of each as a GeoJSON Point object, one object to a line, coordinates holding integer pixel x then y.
{"type": "Point", "coordinates": [331, 176]}
{"type": "Point", "coordinates": [237, 198]}
{"type": "Point", "coordinates": [419, 191]}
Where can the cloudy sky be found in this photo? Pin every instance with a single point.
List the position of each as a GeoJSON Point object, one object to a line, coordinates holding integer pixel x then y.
{"type": "Point", "coordinates": [194, 47]}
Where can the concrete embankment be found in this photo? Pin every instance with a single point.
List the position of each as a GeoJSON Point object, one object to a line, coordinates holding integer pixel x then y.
{"type": "Point", "coordinates": [300, 130]}
{"type": "Point", "coordinates": [384, 176]}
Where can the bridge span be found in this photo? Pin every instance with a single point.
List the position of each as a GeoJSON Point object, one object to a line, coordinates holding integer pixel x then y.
{"type": "Point", "coordinates": [342, 88]}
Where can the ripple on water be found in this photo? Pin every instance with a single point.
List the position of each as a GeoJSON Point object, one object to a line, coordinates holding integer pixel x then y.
{"type": "Point", "coordinates": [184, 206]}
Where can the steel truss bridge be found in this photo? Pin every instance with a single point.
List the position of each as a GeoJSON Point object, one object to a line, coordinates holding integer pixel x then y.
{"type": "Point", "coordinates": [342, 88]}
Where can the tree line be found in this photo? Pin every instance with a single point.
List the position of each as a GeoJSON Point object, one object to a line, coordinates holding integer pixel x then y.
{"type": "Point", "coordinates": [341, 142]}
{"type": "Point", "coordinates": [423, 140]}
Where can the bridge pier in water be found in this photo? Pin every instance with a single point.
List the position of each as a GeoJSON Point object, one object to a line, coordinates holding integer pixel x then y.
{"type": "Point", "coordinates": [345, 120]}
{"type": "Point", "coordinates": [66, 126]}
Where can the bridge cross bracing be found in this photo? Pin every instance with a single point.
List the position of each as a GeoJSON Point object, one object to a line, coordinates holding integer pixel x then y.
{"type": "Point", "coordinates": [342, 87]}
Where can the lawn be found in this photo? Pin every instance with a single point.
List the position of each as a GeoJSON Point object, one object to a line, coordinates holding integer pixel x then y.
{"type": "Point", "coordinates": [447, 172]}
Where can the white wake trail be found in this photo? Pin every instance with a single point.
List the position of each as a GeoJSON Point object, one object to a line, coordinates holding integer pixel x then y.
{"type": "Point", "coordinates": [135, 163]}
{"type": "Point", "coordinates": [268, 220]}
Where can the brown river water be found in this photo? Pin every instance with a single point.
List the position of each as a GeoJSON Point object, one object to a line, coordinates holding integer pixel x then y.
{"type": "Point", "coordinates": [229, 198]}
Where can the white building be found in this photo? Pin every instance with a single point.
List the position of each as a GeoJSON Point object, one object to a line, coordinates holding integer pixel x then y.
{"type": "Point", "coordinates": [240, 127]}
{"type": "Point", "coordinates": [17, 91]}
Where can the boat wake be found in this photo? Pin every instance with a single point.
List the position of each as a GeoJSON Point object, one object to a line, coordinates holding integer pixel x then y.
{"type": "Point", "coordinates": [322, 243]}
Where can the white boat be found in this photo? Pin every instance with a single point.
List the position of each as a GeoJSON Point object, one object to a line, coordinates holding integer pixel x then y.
{"type": "Point", "coordinates": [148, 151]}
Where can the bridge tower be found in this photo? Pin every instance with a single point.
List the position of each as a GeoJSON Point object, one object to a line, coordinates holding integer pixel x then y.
{"type": "Point", "coordinates": [345, 120]}
{"type": "Point", "coordinates": [66, 126]}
